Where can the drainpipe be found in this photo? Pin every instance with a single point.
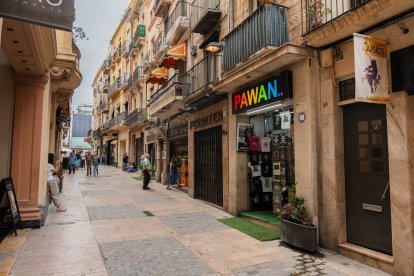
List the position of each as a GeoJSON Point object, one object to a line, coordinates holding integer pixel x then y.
{"type": "Point", "coordinates": [228, 12]}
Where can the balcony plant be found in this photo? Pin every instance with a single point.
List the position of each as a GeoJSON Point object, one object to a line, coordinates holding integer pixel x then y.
{"type": "Point", "coordinates": [296, 228]}
{"type": "Point", "coordinates": [316, 12]}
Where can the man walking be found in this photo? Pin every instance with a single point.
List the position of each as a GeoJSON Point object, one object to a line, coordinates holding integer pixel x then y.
{"type": "Point", "coordinates": [88, 164]}
{"type": "Point", "coordinates": [146, 172]}
{"type": "Point", "coordinates": [96, 160]}
{"type": "Point", "coordinates": [72, 163]}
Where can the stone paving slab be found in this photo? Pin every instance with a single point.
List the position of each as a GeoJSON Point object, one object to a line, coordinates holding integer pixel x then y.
{"type": "Point", "coordinates": [114, 212]}
{"type": "Point", "coordinates": [159, 256]}
{"type": "Point", "coordinates": [190, 223]}
{"type": "Point", "coordinates": [93, 193]}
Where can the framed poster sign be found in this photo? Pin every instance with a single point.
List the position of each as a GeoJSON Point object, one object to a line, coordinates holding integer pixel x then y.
{"type": "Point", "coordinates": [6, 187]}
{"type": "Point", "coordinates": [243, 132]}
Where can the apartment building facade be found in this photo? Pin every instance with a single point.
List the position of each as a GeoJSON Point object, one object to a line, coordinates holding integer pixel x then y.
{"type": "Point", "coordinates": [257, 96]}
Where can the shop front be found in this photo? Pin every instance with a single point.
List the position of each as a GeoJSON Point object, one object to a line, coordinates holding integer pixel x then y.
{"type": "Point", "coordinates": [112, 150]}
{"type": "Point", "coordinates": [265, 134]}
{"type": "Point", "coordinates": [208, 155]}
{"type": "Point", "coordinates": [177, 135]}
{"type": "Point", "coordinates": [154, 146]}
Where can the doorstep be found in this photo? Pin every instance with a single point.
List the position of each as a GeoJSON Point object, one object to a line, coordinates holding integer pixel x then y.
{"type": "Point", "coordinates": [368, 257]}
{"type": "Point", "coordinates": [10, 248]}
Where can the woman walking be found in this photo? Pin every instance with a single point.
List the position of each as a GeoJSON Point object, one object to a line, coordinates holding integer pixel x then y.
{"type": "Point", "coordinates": [96, 160]}
{"type": "Point", "coordinates": [52, 183]}
{"type": "Point", "coordinates": [172, 172]}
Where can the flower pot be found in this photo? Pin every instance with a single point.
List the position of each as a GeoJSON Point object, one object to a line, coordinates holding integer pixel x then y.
{"type": "Point", "coordinates": [299, 235]}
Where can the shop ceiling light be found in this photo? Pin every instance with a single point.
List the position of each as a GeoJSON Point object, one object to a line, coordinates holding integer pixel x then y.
{"type": "Point", "coordinates": [263, 108]}
{"type": "Point", "coordinates": [214, 47]}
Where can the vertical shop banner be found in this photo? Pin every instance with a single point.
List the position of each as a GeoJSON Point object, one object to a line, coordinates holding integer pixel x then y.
{"type": "Point", "coordinates": [58, 14]}
{"type": "Point", "coordinates": [371, 70]}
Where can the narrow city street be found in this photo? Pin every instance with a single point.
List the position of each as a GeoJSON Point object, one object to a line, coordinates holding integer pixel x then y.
{"type": "Point", "coordinates": [113, 227]}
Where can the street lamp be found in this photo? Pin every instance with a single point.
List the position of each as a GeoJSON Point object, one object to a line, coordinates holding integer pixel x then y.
{"type": "Point", "coordinates": [214, 47]}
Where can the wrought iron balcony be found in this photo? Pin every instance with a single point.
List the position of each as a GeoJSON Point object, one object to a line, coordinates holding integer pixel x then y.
{"type": "Point", "coordinates": [148, 62]}
{"type": "Point", "coordinates": [126, 48]}
{"type": "Point", "coordinates": [96, 133]}
{"type": "Point", "coordinates": [138, 75]}
{"type": "Point", "coordinates": [177, 23]}
{"type": "Point", "coordinates": [104, 107]}
{"type": "Point", "coordinates": [115, 87]}
{"type": "Point", "coordinates": [136, 117]}
{"type": "Point", "coordinates": [106, 86]}
{"type": "Point", "coordinates": [320, 12]}
{"type": "Point", "coordinates": [201, 75]}
{"type": "Point", "coordinates": [117, 55]}
{"type": "Point", "coordinates": [107, 66]}
{"type": "Point", "coordinates": [160, 46]}
{"type": "Point", "coordinates": [124, 81]}
{"type": "Point", "coordinates": [118, 120]}
{"type": "Point", "coordinates": [205, 15]}
{"type": "Point", "coordinates": [161, 7]}
{"type": "Point", "coordinates": [173, 82]}
{"type": "Point", "coordinates": [265, 27]}
{"type": "Point", "coordinates": [139, 39]}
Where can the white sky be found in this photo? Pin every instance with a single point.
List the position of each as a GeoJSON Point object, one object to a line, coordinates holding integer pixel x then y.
{"type": "Point", "coordinates": [99, 18]}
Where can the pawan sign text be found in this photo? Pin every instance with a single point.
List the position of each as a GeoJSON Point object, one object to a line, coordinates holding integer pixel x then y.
{"type": "Point", "coordinates": [271, 90]}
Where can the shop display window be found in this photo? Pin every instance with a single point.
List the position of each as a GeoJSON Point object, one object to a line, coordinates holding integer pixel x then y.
{"type": "Point", "coordinates": [271, 160]}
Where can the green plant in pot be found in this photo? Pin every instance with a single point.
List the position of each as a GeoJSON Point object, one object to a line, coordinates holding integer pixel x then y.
{"type": "Point", "coordinates": [296, 228]}
{"type": "Point", "coordinates": [316, 12]}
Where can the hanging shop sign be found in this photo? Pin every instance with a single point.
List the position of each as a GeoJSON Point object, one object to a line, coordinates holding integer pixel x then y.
{"type": "Point", "coordinates": [177, 131]}
{"type": "Point", "coordinates": [213, 118]}
{"type": "Point", "coordinates": [271, 90]}
{"type": "Point", "coordinates": [371, 70]}
{"type": "Point", "coordinates": [57, 14]}
{"type": "Point", "coordinates": [243, 132]}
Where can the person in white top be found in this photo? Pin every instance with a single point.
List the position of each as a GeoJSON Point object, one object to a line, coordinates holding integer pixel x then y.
{"type": "Point", "coordinates": [83, 159]}
{"type": "Point", "coordinates": [53, 184]}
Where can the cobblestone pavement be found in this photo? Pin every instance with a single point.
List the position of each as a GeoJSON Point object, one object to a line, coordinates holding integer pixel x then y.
{"type": "Point", "coordinates": [113, 227]}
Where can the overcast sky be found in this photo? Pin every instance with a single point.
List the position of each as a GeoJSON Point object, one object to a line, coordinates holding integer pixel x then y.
{"type": "Point", "coordinates": [99, 18]}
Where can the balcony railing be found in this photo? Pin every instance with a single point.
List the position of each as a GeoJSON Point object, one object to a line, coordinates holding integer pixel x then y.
{"type": "Point", "coordinates": [148, 61]}
{"type": "Point", "coordinates": [202, 74]}
{"type": "Point", "coordinates": [104, 106]}
{"type": "Point", "coordinates": [161, 7]}
{"type": "Point", "coordinates": [124, 80]}
{"type": "Point", "coordinates": [265, 27]}
{"type": "Point", "coordinates": [159, 43]}
{"type": "Point", "coordinates": [96, 133]}
{"type": "Point", "coordinates": [138, 74]}
{"type": "Point", "coordinates": [137, 116]}
{"type": "Point", "coordinates": [126, 48]}
{"type": "Point", "coordinates": [117, 120]}
{"type": "Point", "coordinates": [115, 86]}
{"type": "Point", "coordinates": [205, 15]}
{"type": "Point", "coordinates": [181, 9]}
{"type": "Point", "coordinates": [107, 65]}
{"type": "Point", "coordinates": [173, 82]}
{"type": "Point", "coordinates": [320, 12]}
{"type": "Point", "coordinates": [106, 86]}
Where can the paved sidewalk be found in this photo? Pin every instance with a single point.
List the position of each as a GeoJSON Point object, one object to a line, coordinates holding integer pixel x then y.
{"type": "Point", "coordinates": [113, 227]}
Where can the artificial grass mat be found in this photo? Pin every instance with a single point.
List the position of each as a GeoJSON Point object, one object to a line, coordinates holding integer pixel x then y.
{"type": "Point", "coordinates": [256, 231]}
{"type": "Point", "coordinates": [265, 216]}
{"type": "Point", "coordinates": [139, 178]}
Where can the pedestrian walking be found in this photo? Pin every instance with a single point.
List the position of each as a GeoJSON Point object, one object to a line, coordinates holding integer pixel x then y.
{"type": "Point", "coordinates": [83, 159]}
{"type": "Point", "coordinates": [96, 160]}
{"type": "Point", "coordinates": [88, 160]}
{"type": "Point", "coordinates": [124, 162]}
{"type": "Point", "coordinates": [103, 159]}
{"type": "Point", "coordinates": [146, 172]}
{"type": "Point", "coordinates": [77, 159]}
{"type": "Point", "coordinates": [72, 163]}
{"type": "Point", "coordinates": [52, 183]}
{"type": "Point", "coordinates": [172, 172]}
{"type": "Point", "coordinates": [65, 162]}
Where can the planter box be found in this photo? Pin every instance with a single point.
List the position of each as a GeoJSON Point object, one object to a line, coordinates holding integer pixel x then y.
{"type": "Point", "coordinates": [300, 236]}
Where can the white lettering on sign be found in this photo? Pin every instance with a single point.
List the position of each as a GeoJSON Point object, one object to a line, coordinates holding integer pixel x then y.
{"type": "Point", "coordinates": [54, 3]}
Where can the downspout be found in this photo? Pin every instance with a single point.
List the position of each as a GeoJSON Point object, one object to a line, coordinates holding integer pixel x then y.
{"type": "Point", "coordinates": [228, 13]}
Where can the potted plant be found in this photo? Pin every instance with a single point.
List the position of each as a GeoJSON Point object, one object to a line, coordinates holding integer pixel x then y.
{"type": "Point", "coordinates": [296, 228]}
{"type": "Point", "coordinates": [316, 12]}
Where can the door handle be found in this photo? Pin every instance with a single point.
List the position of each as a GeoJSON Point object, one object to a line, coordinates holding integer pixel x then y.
{"type": "Point", "coordinates": [385, 191]}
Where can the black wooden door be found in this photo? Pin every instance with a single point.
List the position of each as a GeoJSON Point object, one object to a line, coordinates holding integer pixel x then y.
{"type": "Point", "coordinates": [368, 211]}
{"type": "Point", "coordinates": [208, 169]}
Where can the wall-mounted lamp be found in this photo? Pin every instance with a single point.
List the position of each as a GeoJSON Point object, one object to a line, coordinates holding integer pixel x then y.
{"type": "Point", "coordinates": [214, 47]}
{"type": "Point", "coordinates": [402, 27]}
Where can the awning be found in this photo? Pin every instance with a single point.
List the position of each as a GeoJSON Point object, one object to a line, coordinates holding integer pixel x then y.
{"type": "Point", "coordinates": [170, 62]}
{"type": "Point", "coordinates": [178, 52]}
{"type": "Point", "coordinates": [158, 75]}
{"type": "Point", "coordinates": [156, 80]}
